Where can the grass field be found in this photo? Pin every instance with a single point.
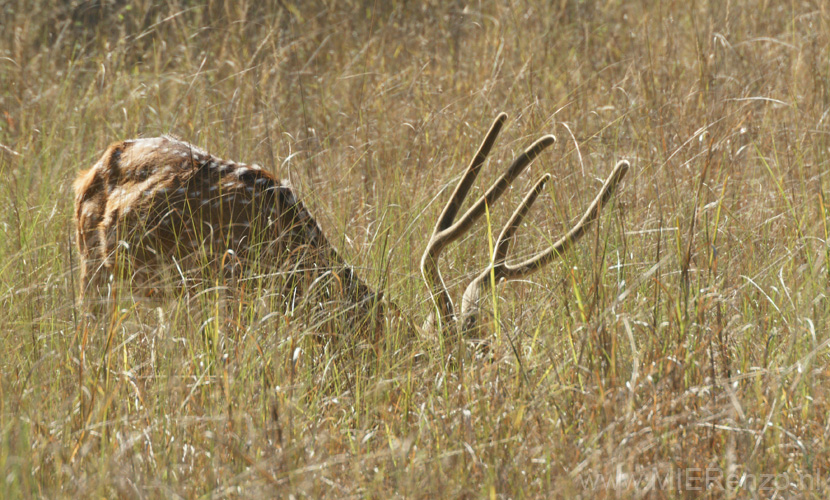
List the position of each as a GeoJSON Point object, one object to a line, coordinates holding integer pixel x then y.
{"type": "Point", "coordinates": [681, 350]}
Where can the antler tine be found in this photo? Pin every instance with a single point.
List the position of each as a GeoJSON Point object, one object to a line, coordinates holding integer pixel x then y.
{"type": "Point", "coordinates": [500, 269]}
{"type": "Point", "coordinates": [506, 236]}
{"type": "Point", "coordinates": [463, 188]}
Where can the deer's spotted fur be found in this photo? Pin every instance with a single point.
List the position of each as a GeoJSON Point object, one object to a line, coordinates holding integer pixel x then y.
{"type": "Point", "coordinates": [157, 203]}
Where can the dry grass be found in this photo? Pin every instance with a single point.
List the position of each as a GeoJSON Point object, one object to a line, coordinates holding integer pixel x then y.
{"type": "Point", "coordinates": [686, 336]}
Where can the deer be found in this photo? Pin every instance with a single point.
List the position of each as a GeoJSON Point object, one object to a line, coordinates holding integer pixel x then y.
{"type": "Point", "coordinates": [161, 203]}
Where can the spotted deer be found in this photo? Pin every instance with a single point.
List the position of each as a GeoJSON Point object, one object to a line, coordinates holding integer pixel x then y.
{"type": "Point", "coordinates": [153, 204]}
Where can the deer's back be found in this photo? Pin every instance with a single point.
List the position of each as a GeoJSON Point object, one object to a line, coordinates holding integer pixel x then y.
{"type": "Point", "coordinates": [160, 199]}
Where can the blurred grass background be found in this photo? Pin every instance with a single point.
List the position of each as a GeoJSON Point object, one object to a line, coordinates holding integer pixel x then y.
{"type": "Point", "coordinates": [688, 332]}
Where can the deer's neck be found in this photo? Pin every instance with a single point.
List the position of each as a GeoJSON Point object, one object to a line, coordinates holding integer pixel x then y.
{"type": "Point", "coordinates": [306, 240]}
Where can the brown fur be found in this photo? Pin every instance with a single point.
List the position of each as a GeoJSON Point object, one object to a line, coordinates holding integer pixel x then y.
{"type": "Point", "coordinates": [154, 208]}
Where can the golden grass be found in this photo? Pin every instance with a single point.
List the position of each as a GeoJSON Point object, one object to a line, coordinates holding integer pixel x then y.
{"type": "Point", "coordinates": [685, 337]}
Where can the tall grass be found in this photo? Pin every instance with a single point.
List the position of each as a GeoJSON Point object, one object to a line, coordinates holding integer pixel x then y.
{"type": "Point", "coordinates": [685, 337]}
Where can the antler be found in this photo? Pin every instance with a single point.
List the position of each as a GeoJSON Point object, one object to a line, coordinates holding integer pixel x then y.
{"type": "Point", "coordinates": [446, 231]}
